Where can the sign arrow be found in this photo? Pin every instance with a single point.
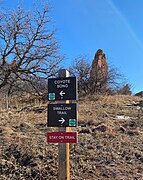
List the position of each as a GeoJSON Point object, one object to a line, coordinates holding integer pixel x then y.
{"type": "Point", "coordinates": [62, 120]}
{"type": "Point", "coordinates": [62, 93]}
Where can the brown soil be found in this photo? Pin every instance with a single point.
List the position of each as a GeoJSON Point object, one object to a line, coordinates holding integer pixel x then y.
{"type": "Point", "coordinates": [110, 135]}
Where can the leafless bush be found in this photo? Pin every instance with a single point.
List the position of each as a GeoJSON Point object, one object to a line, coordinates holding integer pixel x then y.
{"type": "Point", "coordinates": [113, 82]}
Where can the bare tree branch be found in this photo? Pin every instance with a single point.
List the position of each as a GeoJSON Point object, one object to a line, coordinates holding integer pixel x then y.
{"type": "Point", "coordinates": [28, 46]}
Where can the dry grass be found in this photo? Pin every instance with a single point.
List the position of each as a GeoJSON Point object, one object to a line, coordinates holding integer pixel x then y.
{"type": "Point", "coordinates": [109, 147]}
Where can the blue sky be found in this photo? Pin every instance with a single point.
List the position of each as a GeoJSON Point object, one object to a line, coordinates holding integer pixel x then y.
{"type": "Point", "coordinates": [84, 26]}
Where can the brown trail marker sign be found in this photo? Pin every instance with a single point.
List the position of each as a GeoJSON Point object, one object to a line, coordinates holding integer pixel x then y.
{"type": "Point", "coordinates": [62, 115]}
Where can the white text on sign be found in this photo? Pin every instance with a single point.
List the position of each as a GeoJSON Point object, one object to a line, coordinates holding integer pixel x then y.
{"type": "Point", "coordinates": [62, 83]}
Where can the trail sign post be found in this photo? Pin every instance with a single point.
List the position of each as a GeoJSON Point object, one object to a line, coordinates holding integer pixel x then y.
{"type": "Point", "coordinates": [62, 88]}
{"type": "Point", "coordinates": [62, 115]}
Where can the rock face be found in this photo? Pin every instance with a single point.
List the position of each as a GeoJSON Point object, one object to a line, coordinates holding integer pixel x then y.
{"type": "Point", "coordinates": [99, 70]}
{"type": "Point", "coordinates": [140, 94]}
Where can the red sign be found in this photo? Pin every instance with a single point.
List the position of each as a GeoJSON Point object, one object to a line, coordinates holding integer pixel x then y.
{"type": "Point", "coordinates": [62, 137]}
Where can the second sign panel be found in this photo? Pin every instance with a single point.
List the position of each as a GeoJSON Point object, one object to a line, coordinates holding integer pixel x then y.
{"type": "Point", "coordinates": [62, 115]}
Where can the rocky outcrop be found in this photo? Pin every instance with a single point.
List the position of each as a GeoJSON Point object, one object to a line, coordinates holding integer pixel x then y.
{"type": "Point", "coordinates": [99, 70]}
{"type": "Point", "coordinates": [140, 94]}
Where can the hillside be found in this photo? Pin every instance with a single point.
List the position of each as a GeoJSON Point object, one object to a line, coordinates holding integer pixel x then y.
{"type": "Point", "coordinates": [110, 141]}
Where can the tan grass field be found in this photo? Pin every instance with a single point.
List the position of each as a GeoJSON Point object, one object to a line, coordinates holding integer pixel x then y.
{"type": "Point", "coordinates": [110, 135]}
